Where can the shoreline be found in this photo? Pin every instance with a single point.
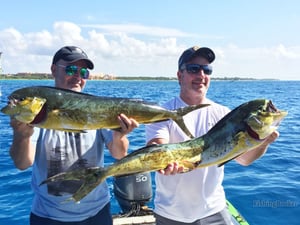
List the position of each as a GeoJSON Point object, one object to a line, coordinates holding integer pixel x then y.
{"type": "Point", "coordinates": [140, 78]}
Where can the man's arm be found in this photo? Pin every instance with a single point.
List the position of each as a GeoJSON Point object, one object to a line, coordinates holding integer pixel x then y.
{"type": "Point", "coordinates": [119, 145]}
{"type": "Point", "coordinates": [22, 151]}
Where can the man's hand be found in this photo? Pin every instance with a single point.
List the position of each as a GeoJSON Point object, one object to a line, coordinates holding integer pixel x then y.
{"type": "Point", "coordinates": [127, 124]}
{"type": "Point", "coordinates": [119, 146]}
{"type": "Point", "coordinates": [172, 169]}
{"type": "Point", "coordinates": [22, 130]}
{"type": "Point", "coordinates": [271, 138]}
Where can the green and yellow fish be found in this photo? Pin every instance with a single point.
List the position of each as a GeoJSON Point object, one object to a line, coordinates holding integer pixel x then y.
{"type": "Point", "coordinates": [61, 109]}
{"type": "Point", "coordinates": [241, 130]}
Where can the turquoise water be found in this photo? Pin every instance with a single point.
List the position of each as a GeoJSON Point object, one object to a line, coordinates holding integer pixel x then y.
{"type": "Point", "coordinates": [266, 192]}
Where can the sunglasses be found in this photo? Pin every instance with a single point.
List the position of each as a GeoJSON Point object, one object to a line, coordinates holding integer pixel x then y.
{"type": "Point", "coordinates": [195, 68]}
{"type": "Point", "coordinates": [71, 70]}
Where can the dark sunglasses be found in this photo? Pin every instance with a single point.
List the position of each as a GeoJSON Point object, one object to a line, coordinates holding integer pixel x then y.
{"type": "Point", "coordinates": [195, 68]}
{"type": "Point", "coordinates": [71, 70]}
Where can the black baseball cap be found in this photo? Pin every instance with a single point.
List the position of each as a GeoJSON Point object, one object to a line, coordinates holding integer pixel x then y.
{"type": "Point", "coordinates": [188, 54]}
{"type": "Point", "coordinates": [72, 54]}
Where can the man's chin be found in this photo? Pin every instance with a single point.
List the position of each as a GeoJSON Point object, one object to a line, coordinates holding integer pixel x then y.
{"type": "Point", "coordinates": [75, 88]}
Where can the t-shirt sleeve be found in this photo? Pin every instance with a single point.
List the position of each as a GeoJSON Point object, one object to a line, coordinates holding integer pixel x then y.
{"type": "Point", "coordinates": [35, 135]}
{"type": "Point", "coordinates": [157, 130]}
{"type": "Point", "coordinates": [106, 135]}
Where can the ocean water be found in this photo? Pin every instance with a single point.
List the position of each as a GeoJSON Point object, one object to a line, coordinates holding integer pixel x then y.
{"type": "Point", "coordinates": [266, 192]}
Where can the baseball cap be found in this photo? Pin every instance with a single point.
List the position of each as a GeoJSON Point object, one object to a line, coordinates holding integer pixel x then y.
{"type": "Point", "coordinates": [72, 54]}
{"type": "Point", "coordinates": [188, 54]}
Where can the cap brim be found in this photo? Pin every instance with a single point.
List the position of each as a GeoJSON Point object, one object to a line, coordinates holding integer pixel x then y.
{"type": "Point", "coordinates": [90, 64]}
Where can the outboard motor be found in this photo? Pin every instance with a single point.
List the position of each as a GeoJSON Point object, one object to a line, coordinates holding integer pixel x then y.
{"type": "Point", "coordinates": [133, 192]}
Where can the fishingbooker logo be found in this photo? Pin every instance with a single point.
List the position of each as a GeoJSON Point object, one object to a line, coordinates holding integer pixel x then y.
{"type": "Point", "coordinates": [275, 203]}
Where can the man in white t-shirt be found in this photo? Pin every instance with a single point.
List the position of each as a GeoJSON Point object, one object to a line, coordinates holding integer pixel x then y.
{"type": "Point", "coordinates": [196, 197]}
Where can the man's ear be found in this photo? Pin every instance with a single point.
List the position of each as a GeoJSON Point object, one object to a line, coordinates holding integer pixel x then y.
{"type": "Point", "coordinates": [53, 70]}
{"type": "Point", "coordinates": [179, 76]}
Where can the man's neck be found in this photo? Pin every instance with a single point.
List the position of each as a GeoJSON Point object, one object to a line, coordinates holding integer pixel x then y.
{"type": "Point", "coordinates": [193, 100]}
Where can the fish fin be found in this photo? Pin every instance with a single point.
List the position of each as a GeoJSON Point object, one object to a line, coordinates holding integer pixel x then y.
{"type": "Point", "coordinates": [185, 110]}
{"type": "Point", "coordinates": [73, 131]}
{"type": "Point", "coordinates": [126, 175]}
{"type": "Point", "coordinates": [181, 124]}
{"type": "Point", "coordinates": [180, 112]}
{"type": "Point", "coordinates": [153, 145]}
{"type": "Point", "coordinates": [223, 163]}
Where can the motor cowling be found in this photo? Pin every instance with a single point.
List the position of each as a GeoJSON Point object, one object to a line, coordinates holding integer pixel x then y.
{"type": "Point", "coordinates": [133, 192]}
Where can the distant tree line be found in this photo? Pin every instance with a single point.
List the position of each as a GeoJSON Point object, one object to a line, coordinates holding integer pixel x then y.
{"type": "Point", "coordinates": [49, 76]}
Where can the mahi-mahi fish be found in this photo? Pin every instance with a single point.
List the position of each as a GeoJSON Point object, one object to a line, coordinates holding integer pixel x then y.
{"type": "Point", "coordinates": [241, 130]}
{"type": "Point", "coordinates": [61, 109]}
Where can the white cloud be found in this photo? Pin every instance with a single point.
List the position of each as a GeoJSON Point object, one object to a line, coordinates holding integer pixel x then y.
{"type": "Point", "coordinates": [275, 62]}
{"type": "Point", "coordinates": [288, 53]}
{"type": "Point", "coordinates": [139, 51]}
{"type": "Point", "coordinates": [67, 32]}
{"type": "Point", "coordinates": [12, 41]}
{"type": "Point", "coordinates": [138, 29]}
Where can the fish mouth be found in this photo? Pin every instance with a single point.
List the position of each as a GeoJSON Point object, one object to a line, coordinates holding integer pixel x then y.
{"type": "Point", "coordinates": [276, 113]}
{"type": "Point", "coordinates": [271, 107]}
{"type": "Point", "coordinates": [12, 102]}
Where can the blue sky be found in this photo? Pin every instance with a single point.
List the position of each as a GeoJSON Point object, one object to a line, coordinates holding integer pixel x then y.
{"type": "Point", "coordinates": [258, 38]}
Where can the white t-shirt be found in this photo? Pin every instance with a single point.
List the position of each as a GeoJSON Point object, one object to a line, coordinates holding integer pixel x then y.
{"type": "Point", "coordinates": [197, 194]}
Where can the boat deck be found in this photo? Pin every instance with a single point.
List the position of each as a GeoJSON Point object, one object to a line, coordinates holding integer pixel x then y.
{"type": "Point", "coordinates": [147, 219]}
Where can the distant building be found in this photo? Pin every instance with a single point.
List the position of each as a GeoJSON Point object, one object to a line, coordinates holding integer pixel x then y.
{"type": "Point", "coordinates": [109, 77]}
{"type": "Point", "coordinates": [102, 76]}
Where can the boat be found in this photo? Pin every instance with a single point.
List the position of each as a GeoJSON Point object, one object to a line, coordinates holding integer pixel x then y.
{"type": "Point", "coordinates": [134, 192]}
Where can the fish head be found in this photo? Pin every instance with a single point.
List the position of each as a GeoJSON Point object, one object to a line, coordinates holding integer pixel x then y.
{"type": "Point", "coordinates": [24, 109]}
{"type": "Point", "coordinates": [264, 119]}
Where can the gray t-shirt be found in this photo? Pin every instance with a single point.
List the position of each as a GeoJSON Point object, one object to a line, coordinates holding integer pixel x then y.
{"type": "Point", "coordinates": [58, 151]}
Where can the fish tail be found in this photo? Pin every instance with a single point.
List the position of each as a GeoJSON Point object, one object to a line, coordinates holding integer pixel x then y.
{"type": "Point", "coordinates": [183, 127]}
{"type": "Point", "coordinates": [91, 181]}
{"type": "Point", "coordinates": [183, 111]}
{"type": "Point", "coordinates": [91, 178]}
